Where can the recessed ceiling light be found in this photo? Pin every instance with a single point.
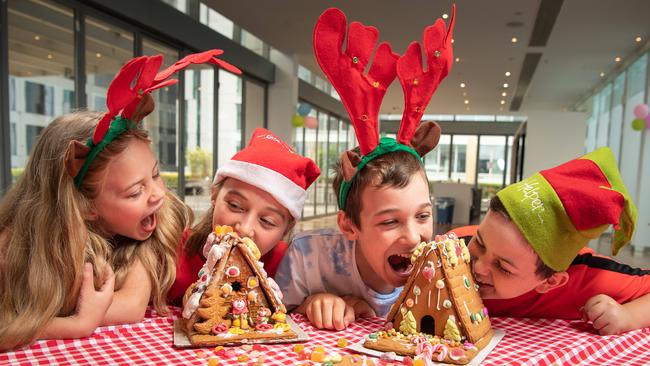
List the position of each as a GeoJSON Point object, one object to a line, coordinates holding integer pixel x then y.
{"type": "Point", "coordinates": [37, 37]}
{"type": "Point", "coordinates": [514, 40]}
{"type": "Point", "coordinates": [503, 102]}
{"type": "Point", "coordinates": [49, 56]}
{"type": "Point", "coordinates": [462, 85]}
{"type": "Point", "coordinates": [98, 55]}
{"type": "Point", "coordinates": [505, 85]}
{"type": "Point", "coordinates": [457, 59]}
{"type": "Point", "coordinates": [507, 73]}
{"type": "Point", "coordinates": [617, 59]}
{"type": "Point", "coordinates": [602, 74]}
{"type": "Point", "coordinates": [445, 16]}
{"type": "Point", "coordinates": [637, 39]}
{"type": "Point", "coordinates": [466, 101]}
{"type": "Point", "coordinates": [464, 94]}
{"type": "Point", "coordinates": [504, 94]}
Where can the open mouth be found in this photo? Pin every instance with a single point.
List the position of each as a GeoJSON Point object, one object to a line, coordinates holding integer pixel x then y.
{"type": "Point", "coordinates": [401, 263]}
{"type": "Point", "coordinates": [149, 223]}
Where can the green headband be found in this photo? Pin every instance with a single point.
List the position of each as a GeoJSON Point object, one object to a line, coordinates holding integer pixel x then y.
{"type": "Point", "coordinates": [386, 145]}
{"type": "Point", "coordinates": [118, 126]}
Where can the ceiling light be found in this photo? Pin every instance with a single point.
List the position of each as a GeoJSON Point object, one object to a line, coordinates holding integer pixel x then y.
{"type": "Point", "coordinates": [602, 74]}
{"type": "Point", "coordinates": [457, 59]}
{"type": "Point", "coordinates": [49, 56]}
{"type": "Point", "coordinates": [37, 37]}
{"type": "Point", "coordinates": [98, 55]}
{"type": "Point", "coordinates": [514, 40]}
{"type": "Point", "coordinates": [466, 101]}
{"type": "Point", "coordinates": [637, 39]}
{"type": "Point", "coordinates": [452, 40]}
{"type": "Point", "coordinates": [617, 59]}
{"type": "Point", "coordinates": [503, 102]}
{"type": "Point", "coordinates": [445, 16]}
{"type": "Point", "coordinates": [507, 73]}
{"type": "Point", "coordinates": [504, 94]}
{"type": "Point", "coordinates": [505, 85]}
{"type": "Point", "coordinates": [464, 94]}
{"type": "Point", "coordinates": [462, 85]}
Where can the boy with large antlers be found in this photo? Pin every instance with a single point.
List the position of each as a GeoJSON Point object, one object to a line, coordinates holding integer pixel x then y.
{"type": "Point", "coordinates": [383, 194]}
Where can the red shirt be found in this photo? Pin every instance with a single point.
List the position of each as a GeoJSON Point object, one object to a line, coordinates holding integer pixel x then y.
{"type": "Point", "coordinates": [188, 267]}
{"type": "Point", "coordinates": [589, 275]}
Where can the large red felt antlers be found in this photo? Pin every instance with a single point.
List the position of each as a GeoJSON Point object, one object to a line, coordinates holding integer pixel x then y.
{"type": "Point", "coordinates": [142, 73]}
{"type": "Point", "coordinates": [361, 94]}
{"type": "Point", "coordinates": [419, 85]}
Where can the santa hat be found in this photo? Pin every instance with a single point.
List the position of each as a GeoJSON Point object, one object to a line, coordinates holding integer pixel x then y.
{"type": "Point", "coordinates": [560, 209]}
{"type": "Point", "coordinates": [271, 165]}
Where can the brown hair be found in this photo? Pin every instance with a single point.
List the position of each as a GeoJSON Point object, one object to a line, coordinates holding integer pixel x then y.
{"type": "Point", "coordinates": [44, 238]}
{"type": "Point", "coordinates": [542, 270]}
{"type": "Point", "coordinates": [394, 169]}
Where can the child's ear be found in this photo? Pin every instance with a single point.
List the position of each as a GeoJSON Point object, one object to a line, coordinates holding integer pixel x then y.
{"type": "Point", "coordinates": [557, 280]}
{"type": "Point", "coordinates": [90, 214]}
{"type": "Point", "coordinates": [348, 229]}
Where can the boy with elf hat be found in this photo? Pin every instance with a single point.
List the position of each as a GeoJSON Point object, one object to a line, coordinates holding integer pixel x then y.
{"type": "Point", "coordinates": [529, 255]}
{"type": "Point", "coordinates": [337, 276]}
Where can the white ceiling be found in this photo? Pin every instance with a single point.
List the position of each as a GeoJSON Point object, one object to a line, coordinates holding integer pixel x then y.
{"type": "Point", "coordinates": [586, 38]}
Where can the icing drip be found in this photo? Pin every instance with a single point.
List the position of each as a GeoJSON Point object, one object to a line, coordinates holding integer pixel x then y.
{"type": "Point", "coordinates": [215, 252]}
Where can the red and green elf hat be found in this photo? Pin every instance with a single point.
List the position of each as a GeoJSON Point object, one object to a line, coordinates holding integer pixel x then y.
{"type": "Point", "coordinates": [559, 210]}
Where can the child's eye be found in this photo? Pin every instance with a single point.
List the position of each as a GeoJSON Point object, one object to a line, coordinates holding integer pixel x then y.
{"type": "Point", "coordinates": [268, 222]}
{"type": "Point", "coordinates": [388, 222]}
{"type": "Point", "coordinates": [234, 206]}
{"type": "Point", "coordinates": [137, 193]}
{"type": "Point", "coordinates": [503, 270]}
{"type": "Point", "coordinates": [424, 216]}
{"type": "Point", "coordinates": [156, 174]}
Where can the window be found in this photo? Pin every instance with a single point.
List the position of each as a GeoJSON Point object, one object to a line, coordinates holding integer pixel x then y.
{"type": "Point", "coordinates": [39, 99]}
{"type": "Point", "coordinates": [229, 120]}
{"type": "Point", "coordinates": [463, 158]}
{"type": "Point", "coordinates": [31, 134]}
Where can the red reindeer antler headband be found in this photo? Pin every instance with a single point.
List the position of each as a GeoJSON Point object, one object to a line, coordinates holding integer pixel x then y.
{"type": "Point", "coordinates": [133, 103]}
{"type": "Point", "coordinates": [362, 93]}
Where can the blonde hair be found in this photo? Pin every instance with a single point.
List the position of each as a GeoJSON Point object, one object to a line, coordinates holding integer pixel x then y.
{"type": "Point", "coordinates": [44, 238]}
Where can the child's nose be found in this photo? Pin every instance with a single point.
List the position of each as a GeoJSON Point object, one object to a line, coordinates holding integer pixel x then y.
{"type": "Point", "coordinates": [479, 266]}
{"type": "Point", "coordinates": [157, 193]}
{"type": "Point", "coordinates": [245, 227]}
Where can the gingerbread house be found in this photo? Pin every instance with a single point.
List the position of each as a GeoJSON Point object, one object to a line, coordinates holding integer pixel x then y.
{"type": "Point", "coordinates": [439, 314]}
{"type": "Point", "coordinates": [233, 300]}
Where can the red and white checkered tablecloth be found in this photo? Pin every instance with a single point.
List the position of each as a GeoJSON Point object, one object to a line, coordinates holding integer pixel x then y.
{"type": "Point", "coordinates": [527, 342]}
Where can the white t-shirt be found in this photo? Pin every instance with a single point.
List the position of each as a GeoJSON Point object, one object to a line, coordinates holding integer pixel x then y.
{"type": "Point", "coordinates": [324, 261]}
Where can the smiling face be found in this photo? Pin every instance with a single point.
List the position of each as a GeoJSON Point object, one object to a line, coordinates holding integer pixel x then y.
{"type": "Point", "coordinates": [503, 262]}
{"type": "Point", "coordinates": [131, 194]}
{"type": "Point", "coordinates": [393, 221]}
{"type": "Point", "coordinates": [251, 212]}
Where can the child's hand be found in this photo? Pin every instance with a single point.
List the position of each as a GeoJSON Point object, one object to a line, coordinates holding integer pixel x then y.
{"type": "Point", "coordinates": [328, 311]}
{"type": "Point", "coordinates": [360, 307]}
{"type": "Point", "coordinates": [607, 316]}
{"type": "Point", "coordinates": [92, 304]}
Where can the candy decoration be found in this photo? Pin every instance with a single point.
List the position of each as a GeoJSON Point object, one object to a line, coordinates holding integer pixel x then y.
{"type": "Point", "coordinates": [409, 303]}
{"type": "Point", "coordinates": [451, 329]}
{"type": "Point", "coordinates": [416, 292]}
{"type": "Point", "coordinates": [440, 284]}
{"type": "Point", "coordinates": [428, 271]}
{"type": "Point", "coordinates": [466, 282]}
{"type": "Point", "coordinates": [232, 271]}
{"type": "Point", "coordinates": [226, 289]}
{"type": "Point", "coordinates": [429, 300]}
{"type": "Point", "coordinates": [446, 304]}
{"type": "Point", "coordinates": [408, 325]}
{"type": "Point", "coordinates": [252, 282]}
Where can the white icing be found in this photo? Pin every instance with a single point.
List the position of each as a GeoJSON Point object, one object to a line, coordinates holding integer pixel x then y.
{"type": "Point", "coordinates": [191, 305]}
{"type": "Point", "coordinates": [469, 313]}
{"type": "Point", "coordinates": [276, 289]}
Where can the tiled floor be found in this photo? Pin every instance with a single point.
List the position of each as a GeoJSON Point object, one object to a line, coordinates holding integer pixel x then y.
{"type": "Point", "coordinates": [602, 245]}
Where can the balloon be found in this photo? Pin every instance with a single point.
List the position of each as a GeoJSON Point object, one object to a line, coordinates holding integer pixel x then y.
{"type": "Point", "coordinates": [641, 111]}
{"type": "Point", "coordinates": [304, 109]}
{"type": "Point", "coordinates": [647, 121]}
{"type": "Point", "coordinates": [638, 124]}
{"type": "Point", "coordinates": [311, 122]}
{"type": "Point", "coordinates": [298, 121]}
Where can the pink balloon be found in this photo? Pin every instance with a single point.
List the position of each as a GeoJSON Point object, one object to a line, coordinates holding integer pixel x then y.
{"type": "Point", "coordinates": [641, 111]}
{"type": "Point", "coordinates": [311, 122]}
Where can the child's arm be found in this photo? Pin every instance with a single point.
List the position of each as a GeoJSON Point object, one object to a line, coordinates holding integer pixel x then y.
{"type": "Point", "coordinates": [91, 309]}
{"type": "Point", "coordinates": [131, 300]}
{"type": "Point", "coordinates": [609, 317]}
